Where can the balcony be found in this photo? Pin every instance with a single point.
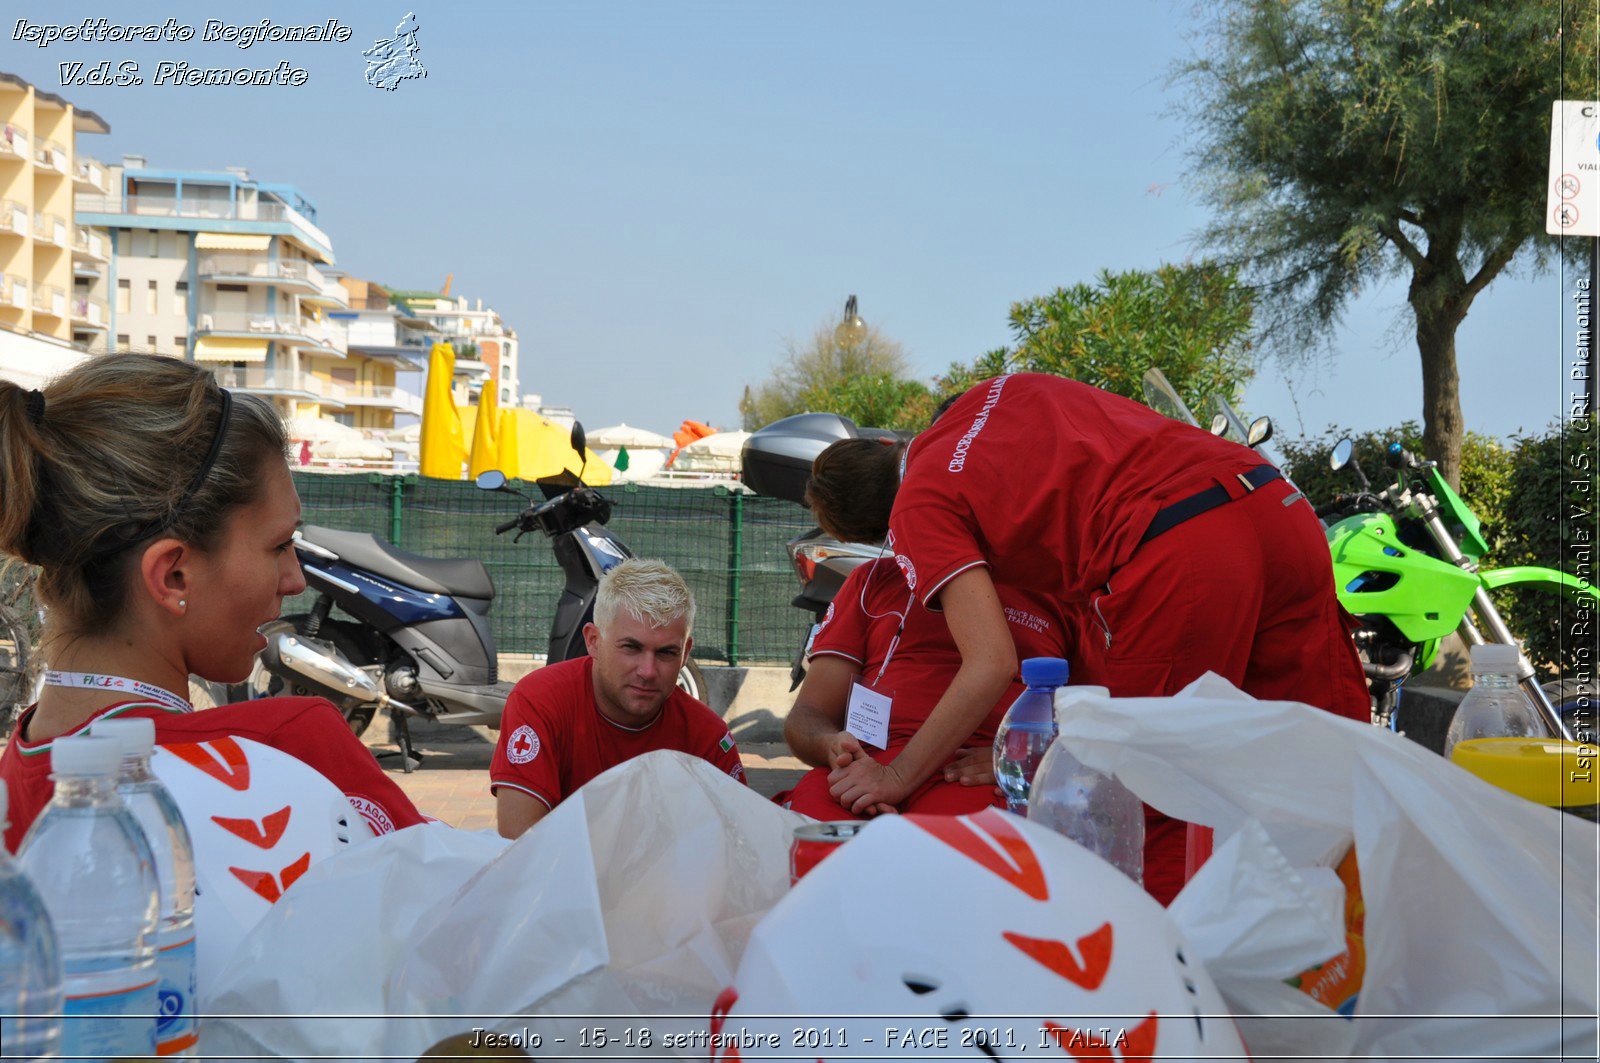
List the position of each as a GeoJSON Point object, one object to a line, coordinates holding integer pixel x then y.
{"type": "Point", "coordinates": [291, 273]}
{"type": "Point", "coordinates": [14, 144]}
{"type": "Point", "coordinates": [208, 209]}
{"type": "Point", "coordinates": [396, 399]}
{"type": "Point", "coordinates": [90, 176]}
{"type": "Point", "coordinates": [50, 301]}
{"type": "Point", "coordinates": [13, 218]}
{"type": "Point", "coordinates": [51, 155]}
{"type": "Point", "coordinates": [49, 229]}
{"type": "Point", "coordinates": [88, 312]}
{"type": "Point", "coordinates": [90, 244]}
{"type": "Point", "coordinates": [282, 382]}
{"type": "Point", "coordinates": [329, 293]}
{"type": "Point", "coordinates": [312, 335]}
{"type": "Point", "coordinates": [13, 292]}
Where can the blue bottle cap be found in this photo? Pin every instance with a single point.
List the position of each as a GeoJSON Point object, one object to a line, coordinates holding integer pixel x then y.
{"type": "Point", "coordinates": [1044, 672]}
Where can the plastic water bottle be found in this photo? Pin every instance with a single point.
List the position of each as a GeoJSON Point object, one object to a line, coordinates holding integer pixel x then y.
{"type": "Point", "coordinates": [1027, 730]}
{"type": "Point", "coordinates": [1088, 806]}
{"type": "Point", "coordinates": [91, 864]}
{"type": "Point", "coordinates": [30, 964]}
{"type": "Point", "coordinates": [164, 829]}
{"type": "Point", "coordinates": [1495, 707]}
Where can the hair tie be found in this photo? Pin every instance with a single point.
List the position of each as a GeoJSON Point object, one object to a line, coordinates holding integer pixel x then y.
{"type": "Point", "coordinates": [36, 406]}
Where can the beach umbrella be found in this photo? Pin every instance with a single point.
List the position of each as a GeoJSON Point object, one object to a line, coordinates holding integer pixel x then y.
{"type": "Point", "coordinates": [509, 445]}
{"type": "Point", "coordinates": [485, 452]}
{"type": "Point", "coordinates": [444, 447]}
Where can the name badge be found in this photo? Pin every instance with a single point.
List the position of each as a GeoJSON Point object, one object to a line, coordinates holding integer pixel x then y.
{"type": "Point", "coordinates": [869, 716]}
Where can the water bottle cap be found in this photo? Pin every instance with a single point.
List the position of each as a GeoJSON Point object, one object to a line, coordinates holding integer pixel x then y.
{"type": "Point", "coordinates": [85, 755]}
{"type": "Point", "coordinates": [1494, 657]}
{"type": "Point", "coordinates": [1044, 672]}
{"type": "Point", "coordinates": [134, 735]}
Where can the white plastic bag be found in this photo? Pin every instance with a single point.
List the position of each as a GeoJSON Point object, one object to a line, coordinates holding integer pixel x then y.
{"type": "Point", "coordinates": [1478, 902]}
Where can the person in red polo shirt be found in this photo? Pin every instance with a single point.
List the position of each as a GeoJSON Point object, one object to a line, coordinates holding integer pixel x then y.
{"type": "Point", "coordinates": [879, 642]}
{"type": "Point", "coordinates": [566, 723]}
{"type": "Point", "coordinates": [161, 513]}
{"type": "Point", "coordinates": [1177, 552]}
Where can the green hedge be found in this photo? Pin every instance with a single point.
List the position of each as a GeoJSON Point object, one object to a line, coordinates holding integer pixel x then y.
{"type": "Point", "coordinates": [1523, 491]}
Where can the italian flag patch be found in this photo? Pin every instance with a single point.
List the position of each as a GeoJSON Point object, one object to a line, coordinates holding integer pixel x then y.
{"type": "Point", "coordinates": [726, 743]}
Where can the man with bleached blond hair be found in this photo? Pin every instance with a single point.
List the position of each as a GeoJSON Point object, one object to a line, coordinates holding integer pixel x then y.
{"type": "Point", "coordinates": [566, 723]}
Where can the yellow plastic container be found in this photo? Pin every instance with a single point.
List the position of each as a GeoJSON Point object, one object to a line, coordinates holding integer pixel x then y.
{"type": "Point", "coordinates": [1559, 774]}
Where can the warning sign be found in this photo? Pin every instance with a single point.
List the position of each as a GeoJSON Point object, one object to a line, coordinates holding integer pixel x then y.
{"type": "Point", "coordinates": [1573, 201]}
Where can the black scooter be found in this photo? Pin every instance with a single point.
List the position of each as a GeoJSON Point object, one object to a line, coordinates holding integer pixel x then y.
{"type": "Point", "coordinates": [412, 634]}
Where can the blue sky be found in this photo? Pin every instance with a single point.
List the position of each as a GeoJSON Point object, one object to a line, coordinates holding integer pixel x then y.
{"type": "Point", "coordinates": [656, 195]}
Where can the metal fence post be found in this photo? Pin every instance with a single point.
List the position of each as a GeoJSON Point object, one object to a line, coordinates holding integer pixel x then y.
{"type": "Point", "coordinates": [736, 571]}
{"type": "Point", "coordinates": [397, 486]}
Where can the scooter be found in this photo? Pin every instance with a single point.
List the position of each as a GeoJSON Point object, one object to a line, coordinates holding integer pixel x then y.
{"type": "Point", "coordinates": [412, 636]}
{"type": "Point", "coordinates": [776, 461]}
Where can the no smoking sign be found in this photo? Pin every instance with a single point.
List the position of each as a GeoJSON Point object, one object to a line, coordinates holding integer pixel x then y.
{"type": "Point", "coordinates": [1573, 203]}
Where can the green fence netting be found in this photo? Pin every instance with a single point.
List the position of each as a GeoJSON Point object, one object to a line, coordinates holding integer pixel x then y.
{"type": "Point", "coordinates": [729, 546]}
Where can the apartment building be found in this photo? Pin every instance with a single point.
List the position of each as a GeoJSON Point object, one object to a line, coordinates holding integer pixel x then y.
{"type": "Point", "coordinates": [387, 358]}
{"type": "Point", "coordinates": [487, 352]}
{"type": "Point", "coordinates": [52, 265]}
{"type": "Point", "coordinates": [231, 272]}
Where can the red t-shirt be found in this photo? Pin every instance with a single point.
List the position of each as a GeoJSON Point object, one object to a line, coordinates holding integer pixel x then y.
{"type": "Point", "coordinates": [308, 729]}
{"type": "Point", "coordinates": [867, 612]}
{"type": "Point", "coordinates": [553, 738]}
{"type": "Point", "coordinates": [1049, 482]}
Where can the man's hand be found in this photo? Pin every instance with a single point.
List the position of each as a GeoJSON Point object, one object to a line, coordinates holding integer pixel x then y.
{"type": "Point", "coordinates": [972, 766]}
{"type": "Point", "coordinates": [866, 787]}
{"type": "Point", "coordinates": [842, 748]}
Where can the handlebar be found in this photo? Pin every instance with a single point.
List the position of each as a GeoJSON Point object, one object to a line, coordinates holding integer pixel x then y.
{"type": "Point", "coordinates": [507, 526]}
{"type": "Point", "coordinates": [1361, 502]}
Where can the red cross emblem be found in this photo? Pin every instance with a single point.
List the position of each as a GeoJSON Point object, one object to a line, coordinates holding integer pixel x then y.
{"type": "Point", "coordinates": [523, 745]}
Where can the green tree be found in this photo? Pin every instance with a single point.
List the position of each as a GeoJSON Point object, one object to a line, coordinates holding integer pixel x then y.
{"type": "Point", "coordinates": [861, 373]}
{"type": "Point", "coordinates": [1191, 321]}
{"type": "Point", "coordinates": [1344, 141]}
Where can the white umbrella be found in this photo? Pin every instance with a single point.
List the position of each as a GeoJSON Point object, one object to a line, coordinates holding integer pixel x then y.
{"type": "Point", "coordinates": [622, 435]}
{"type": "Point", "coordinates": [319, 430]}
{"type": "Point", "coordinates": [715, 453]}
{"type": "Point", "coordinates": [356, 449]}
{"type": "Point", "coordinates": [643, 464]}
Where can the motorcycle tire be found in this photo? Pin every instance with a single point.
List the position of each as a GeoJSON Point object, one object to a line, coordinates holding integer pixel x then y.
{"type": "Point", "coordinates": [264, 684]}
{"type": "Point", "coordinates": [1570, 697]}
{"type": "Point", "coordinates": [691, 681]}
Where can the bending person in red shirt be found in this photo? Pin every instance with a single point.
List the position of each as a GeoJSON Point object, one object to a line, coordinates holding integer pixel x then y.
{"type": "Point", "coordinates": [1180, 553]}
{"type": "Point", "coordinates": [880, 647]}
{"type": "Point", "coordinates": [566, 723]}
{"type": "Point", "coordinates": [160, 511]}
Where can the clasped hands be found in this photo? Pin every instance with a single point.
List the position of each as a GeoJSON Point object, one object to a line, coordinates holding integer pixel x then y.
{"type": "Point", "coordinates": [868, 788]}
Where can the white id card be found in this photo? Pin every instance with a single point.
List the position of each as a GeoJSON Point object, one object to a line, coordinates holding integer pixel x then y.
{"type": "Point", "coordinates": [869, 716]}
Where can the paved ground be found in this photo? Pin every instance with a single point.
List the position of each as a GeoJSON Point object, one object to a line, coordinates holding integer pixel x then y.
{"type": "Point", "coordinates": [452, 784]}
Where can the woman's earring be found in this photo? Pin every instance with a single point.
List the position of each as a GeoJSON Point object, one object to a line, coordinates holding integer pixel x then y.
{"type": "Point", "coordinates": [183, 603]}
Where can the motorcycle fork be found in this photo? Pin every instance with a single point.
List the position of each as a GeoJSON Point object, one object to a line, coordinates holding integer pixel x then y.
{"type": "Point", "coordinates": [1485, 608]}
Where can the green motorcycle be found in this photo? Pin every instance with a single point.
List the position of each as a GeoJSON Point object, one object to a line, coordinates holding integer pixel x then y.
{"type": "Point", "coordinates": [1405, 562]}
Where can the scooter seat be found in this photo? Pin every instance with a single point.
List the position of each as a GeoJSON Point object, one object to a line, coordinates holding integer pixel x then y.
{"type": "Point", "coordinates": [463, 577]}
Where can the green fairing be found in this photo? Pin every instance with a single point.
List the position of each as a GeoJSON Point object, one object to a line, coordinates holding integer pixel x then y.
{"type": "Point", "coordinates": [1458, 516]}
{"type": "Point", "coordinates": [1424, 597]}
{"type": "Point", "coordinates": [1534, 576]}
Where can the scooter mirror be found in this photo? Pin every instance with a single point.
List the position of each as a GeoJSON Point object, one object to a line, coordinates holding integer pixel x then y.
{"type": "Point", "coordinates": [1219, 425]}
{"type": "Point", "coordinates": [579, 443]}
{"type": "Point", "coordinates": [1342, 452]}
{"type": "Point", "coordinates": [490, 480]}
{"type": "Point", "coordinates": [1260, 431]}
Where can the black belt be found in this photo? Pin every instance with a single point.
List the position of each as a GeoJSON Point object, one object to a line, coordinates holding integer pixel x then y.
{"type": "Point", "coordinates": [1170, 517]}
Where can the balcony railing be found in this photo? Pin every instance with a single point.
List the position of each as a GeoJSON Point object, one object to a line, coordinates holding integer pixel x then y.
{"type": "Point", "coordinates": [51, 155]}
{"type": "Point", "coordinates": [93, 175]}
{"type": "Point", "coordinates": [90, 242]}
{"type": "Point", "coordinates": [267, 323]}
{"type": "Point", "coordinates": [13, 292]}
{"type": "Point", "coordinates": [90, 310]}
{"type": "Point", "coordinates": [51, 228]}
{"type": "Point", "coordinates": [14, 143]}
{"type": "Point", "coordinates": [48, 299]}
{"type": "Point", "coordinates": [280, 380]}
{"type": "Point", "coordinates": [257, 267]}
{"type": "Point", "coordinates": [397, 399]}
{"type": "Point", "coordinates": [13, 217]}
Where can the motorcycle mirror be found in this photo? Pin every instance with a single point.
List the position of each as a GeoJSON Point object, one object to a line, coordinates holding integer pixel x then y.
{"type": "Point", "coordinates": [579, 442]}
{"type": "Point", "coordinates": [490, 480]}
{"type": "Point", "coordinates": [1260, 431]}
{"type": "Point", "coordinates": [1342, 452]}
{"type": "Point", "coordinates": [1219, 425]}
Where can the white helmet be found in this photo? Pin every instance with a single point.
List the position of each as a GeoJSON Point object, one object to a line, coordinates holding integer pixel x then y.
{"type": "Point", "coordinates": [259, 818]}
{"type": "Point", "coordinates": [974, 937]}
